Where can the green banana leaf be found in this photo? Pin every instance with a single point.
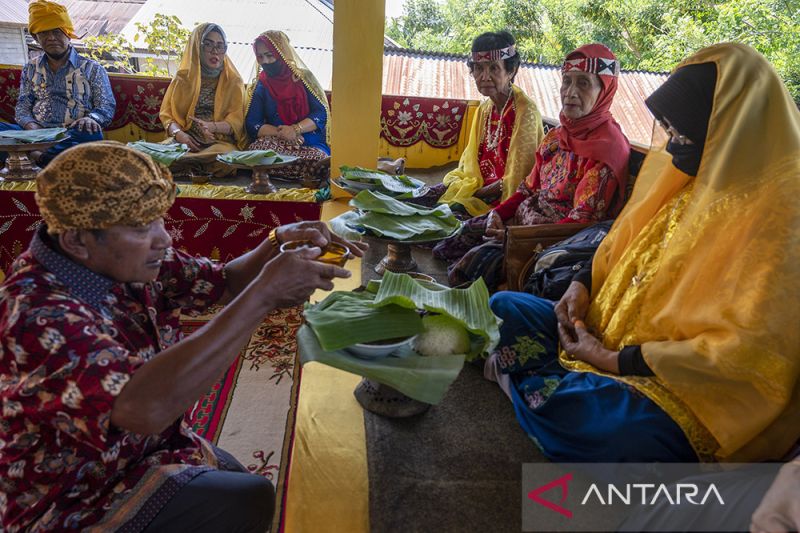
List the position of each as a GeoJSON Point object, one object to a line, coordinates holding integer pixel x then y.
{"type": "Point", "coordinates": [384, 216]}
{"type": "Point", "coordinates": [423, 378]}
{"type": "Point", "coordinates": [377, 202]}
{"type": "Point", "coordinates": [349, 226]}
{"type": "Point", "coordinates": [253, 158]}
{"type": "Point", "coordinates": [35, 136]}
{"type": "Point", "coordinates": [470, 307]}
{"type": "Point", "coordinates": [414, 228]}
{"type": "Point", "coordinates": [381, 181]}
{"type": "Point", "coordinates": [389, 309]}
{"type": "Point", "coordinates": [345, 226]}
{"type": "Point", "coordinates": [166, 154]}
{"type": "Point", "coordinates": [346, 318]}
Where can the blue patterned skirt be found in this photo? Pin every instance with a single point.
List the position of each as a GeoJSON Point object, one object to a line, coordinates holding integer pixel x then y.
{"type": "Point", "coordinates": [576, 416]}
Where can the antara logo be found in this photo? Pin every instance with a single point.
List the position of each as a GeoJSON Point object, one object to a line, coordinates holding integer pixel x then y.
{"type": "Point", "coordinates": [563, 484]}
{"type": "Point", "coordinates": [675, 495]}
{"type": "Point", "coordinates": [628, 494]}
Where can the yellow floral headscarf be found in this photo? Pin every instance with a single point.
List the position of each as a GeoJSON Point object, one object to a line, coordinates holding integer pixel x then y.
{"type": "Point", "coordinates": [44, 15]}
{"type": "Point", "coordinates": [180, 99]}
{"type": "Point", "coordinates": [716, 315]}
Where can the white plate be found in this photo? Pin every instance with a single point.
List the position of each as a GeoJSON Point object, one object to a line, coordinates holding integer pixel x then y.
{"type": "Point", "coordinates": [377, 351]}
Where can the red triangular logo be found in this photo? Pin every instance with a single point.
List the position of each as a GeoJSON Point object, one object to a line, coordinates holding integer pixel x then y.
{"type": "Point", "coordinates": [560, 482]}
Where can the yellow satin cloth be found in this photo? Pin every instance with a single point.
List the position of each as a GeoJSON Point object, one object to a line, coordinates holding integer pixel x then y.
{"type": "Point", "coordinates": [44, 15]}
{"type": "Point", "coordinates": [703, 273]}
{"type": "Point", "coordinates": [300, 72]}
{"type": "Point", "coordinates": [525, 139]}
{"type": "Point", "coordinates": [180, 99]}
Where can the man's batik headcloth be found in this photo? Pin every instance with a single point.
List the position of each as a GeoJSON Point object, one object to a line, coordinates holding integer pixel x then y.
{"type": "Point", "coordinates": [494, 55]}
{"type": "Point", "coordinates": [102, 184]}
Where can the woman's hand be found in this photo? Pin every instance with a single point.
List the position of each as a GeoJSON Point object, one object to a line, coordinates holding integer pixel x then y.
{"type": "Point", "coordinates": [184, 138]}
{"type": "Point", "coordinates": [490, 191]}
{"type": "Point", "coordinates": [288, 133]}
{"type": "Point", "coordinates": [780, 508]}
{"type": "Point", "coordinates": [318, 233]}
{"type": "Point", "coordinates": [207, 129]}
{"type": "Point", "coordinates": [586, 347]}
{"type": "Point", "coordinates": [495, 228]}
{"type": "Point", "coordinates": [573, 305]}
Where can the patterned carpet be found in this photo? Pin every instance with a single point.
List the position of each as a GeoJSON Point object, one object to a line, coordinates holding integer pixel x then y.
{"type": "Point", "coordinates": [250, 411]}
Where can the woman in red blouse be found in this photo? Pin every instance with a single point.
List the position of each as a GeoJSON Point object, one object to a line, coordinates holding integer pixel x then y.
{"type": "Point", "coordinates": [580, 172]}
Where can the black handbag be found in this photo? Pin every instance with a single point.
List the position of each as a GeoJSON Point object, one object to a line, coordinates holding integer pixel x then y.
{"type": "Point", "coordinates": [557, 264]}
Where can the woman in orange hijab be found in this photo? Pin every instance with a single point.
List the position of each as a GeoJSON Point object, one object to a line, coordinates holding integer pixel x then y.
{"type": "Point", "coordinates": [680, 342]}
{"type": "Point", "coordinates": [203, 107]}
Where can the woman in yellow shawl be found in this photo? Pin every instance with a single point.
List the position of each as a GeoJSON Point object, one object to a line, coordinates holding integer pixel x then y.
{"type": "Point", "coordinates": [505, 132]}
{"type": "Point", "coordinates": [203, 107]}
{"type": "Point", "coordinates": [287, 110]}
{"type": "Point", "coordinates": [687, 347]}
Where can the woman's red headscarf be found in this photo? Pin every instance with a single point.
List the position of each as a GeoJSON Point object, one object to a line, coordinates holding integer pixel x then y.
{"type": "Point", "coordinates": [597, 135]}
{"type": "Point", "coordinates": [288, 92]}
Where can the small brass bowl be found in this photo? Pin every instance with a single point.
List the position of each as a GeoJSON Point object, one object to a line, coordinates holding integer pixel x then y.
{"type": "Point", "coordinates": [200, 177]}
{"type": "Point", "coordinates": [333, 254]}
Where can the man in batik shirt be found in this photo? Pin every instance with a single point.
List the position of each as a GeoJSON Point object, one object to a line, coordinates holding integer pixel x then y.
{"type": "Point", "coordinates": [61, 88]}
{"type": "Point", "coordinates": [94, 374]}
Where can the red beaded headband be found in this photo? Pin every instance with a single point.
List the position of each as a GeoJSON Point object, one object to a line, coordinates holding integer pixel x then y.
{"type": "Point", "coordinates": [494, 55]}
{"type": "Point", "coordinates": [595, 65]}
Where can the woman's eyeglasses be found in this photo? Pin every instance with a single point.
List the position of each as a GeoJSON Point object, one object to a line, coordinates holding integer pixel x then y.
{"type": "Point", "coordinates": [211, 47]}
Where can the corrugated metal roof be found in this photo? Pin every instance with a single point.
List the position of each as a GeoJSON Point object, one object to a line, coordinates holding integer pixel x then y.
{"type": "Point", "coordinates": [411, 73]}
{"type": "Point", "coordinates": [14, 12]}
{"type": "Point", "coordinates": [90, 17]}
{"type": "Point", "coordinates": [98, 17]}
{"type": "Point", "coordinates": [308, 23]}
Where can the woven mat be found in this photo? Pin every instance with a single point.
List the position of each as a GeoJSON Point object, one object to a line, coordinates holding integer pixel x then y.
{"type": "Point", "coordinates": [250, 411]}
{"type": "Point", "coordinates": [457, 467]}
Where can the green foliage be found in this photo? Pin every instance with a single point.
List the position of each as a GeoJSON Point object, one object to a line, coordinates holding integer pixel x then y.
{"type": "Point", "coordinates": [650, 35]}
{"type": "Point", "coordinates": [165, 38]}
{"type": "Point", "coordinates": [110, 50]}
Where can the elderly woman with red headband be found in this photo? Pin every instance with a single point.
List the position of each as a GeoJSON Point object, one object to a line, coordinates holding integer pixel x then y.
{"type": "Point", "coordinates": [287, 109]}
{"type": "Point", "coordinates": [503, 138]}
{"type": "Point", "coordinates": [579, 176]}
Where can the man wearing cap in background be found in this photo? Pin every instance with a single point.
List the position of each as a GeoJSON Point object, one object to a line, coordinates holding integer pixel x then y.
{"type": "Point", "coordinates": [61, 88]}
{"type": "Point", "coordinates": [94, 375]}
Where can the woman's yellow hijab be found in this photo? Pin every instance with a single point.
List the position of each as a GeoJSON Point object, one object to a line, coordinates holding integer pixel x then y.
{"type": "Point", "coordinates": [183, 92]}
{"type": "Point", "coordinates": [718, 324]}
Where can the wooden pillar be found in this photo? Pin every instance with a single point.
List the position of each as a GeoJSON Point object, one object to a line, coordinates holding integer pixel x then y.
{"type": "Point", "coordinates": [357, 84]}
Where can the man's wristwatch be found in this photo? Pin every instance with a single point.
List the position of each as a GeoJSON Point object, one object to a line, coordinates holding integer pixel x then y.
{"type": "Point", "coordinates": [94, 116]}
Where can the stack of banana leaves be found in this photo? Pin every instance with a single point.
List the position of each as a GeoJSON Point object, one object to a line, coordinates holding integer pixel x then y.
{"type": "Point", "coordinates": [357, 179]}
{"type": "Point", "coordinates": [166, 154]}
{"type": "Point", "coordinates": [383, 216]}
{"type": "Point", "coordinates": [390, 309]}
